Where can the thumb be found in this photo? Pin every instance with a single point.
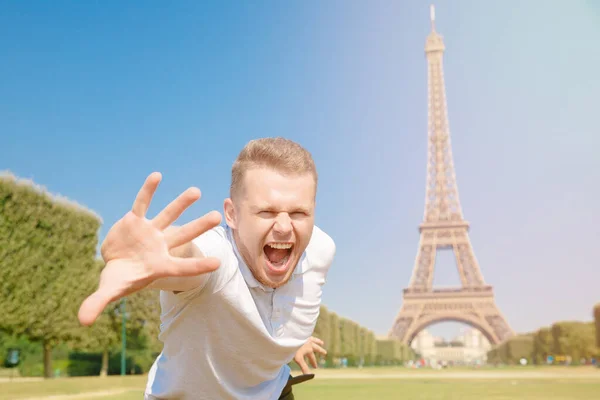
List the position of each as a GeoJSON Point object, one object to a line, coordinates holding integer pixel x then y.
{"type": "Point", "coordinates": [92, 307]}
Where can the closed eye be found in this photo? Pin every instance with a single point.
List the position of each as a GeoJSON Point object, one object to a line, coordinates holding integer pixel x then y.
{"type": "Point", "coordinates": [272, 214]}
{"type": "Point", "coordinates": [299, 214]}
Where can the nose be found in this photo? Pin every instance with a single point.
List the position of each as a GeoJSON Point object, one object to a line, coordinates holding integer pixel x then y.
{"type": "Point", "coordinates": [283, 224]}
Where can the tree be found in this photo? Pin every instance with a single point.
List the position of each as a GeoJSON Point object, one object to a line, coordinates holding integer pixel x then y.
{"type": "Point", "coordinates": [518, 347]}
{"type": "Point", "coordinates": [391, 351]}
{"type": "Point", "coordinates": [335, 344]}
{"type": "Point", "coordinates": [597, 323]}
{"type": "Point", "coordinates": [322, 328]}
{"type": "Point", "coordinates": [370, 348]}
{"type": "Point", "coordinates": [573, 339]}
{"type": "Point", "coordinates": [542, 345]}
{"type": "Point", "coordinates": [46, 257]}
{"type": "Point", "coordinates": [348, 343]}
{"type": "Point", "coordinates": [142, 324]}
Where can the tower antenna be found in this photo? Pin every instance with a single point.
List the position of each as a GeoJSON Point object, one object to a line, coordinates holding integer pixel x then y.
{"type": "Point", "coordinates": [432, 16]}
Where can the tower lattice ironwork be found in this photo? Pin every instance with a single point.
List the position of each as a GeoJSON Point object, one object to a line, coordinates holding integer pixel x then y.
{"type": "Point", "coordinates": [444, 227]}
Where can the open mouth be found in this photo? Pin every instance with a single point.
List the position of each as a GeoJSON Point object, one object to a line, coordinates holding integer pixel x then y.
{"type": "Point", "coordinates": [278, 255]}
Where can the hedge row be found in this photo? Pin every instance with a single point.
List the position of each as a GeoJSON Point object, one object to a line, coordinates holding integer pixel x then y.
{"type": "Point", "coordinates": [562, 342]}
{"type": "Point", "coordinates": [46, 262]}
{"type": "Point", "coordinates": [356, 345]}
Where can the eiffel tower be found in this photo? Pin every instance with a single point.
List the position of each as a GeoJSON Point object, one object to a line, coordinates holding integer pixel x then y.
{"type": "Point", "coordinates": [444, 227]}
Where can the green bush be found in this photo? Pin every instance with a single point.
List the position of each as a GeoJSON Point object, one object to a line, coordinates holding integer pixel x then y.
{"type": "Point", "coordinates": [84, 364]}
{"type": "Point", "coordinates": [90, 364]}
{"type": "Point", "coordinates": [34, 369]}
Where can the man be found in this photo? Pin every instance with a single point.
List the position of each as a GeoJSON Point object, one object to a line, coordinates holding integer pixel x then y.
{"type": "Point", "coordinates": [240, 301]}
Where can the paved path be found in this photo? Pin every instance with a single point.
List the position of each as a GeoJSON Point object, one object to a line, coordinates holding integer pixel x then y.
{"type": "Point", "coordinates": [20, 379]}
{"type": "Point", "coordinates": [86, 395]}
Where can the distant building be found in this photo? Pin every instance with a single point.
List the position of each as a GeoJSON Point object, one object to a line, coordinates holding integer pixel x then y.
{"type": "Point", "coordinates": [469, 348]}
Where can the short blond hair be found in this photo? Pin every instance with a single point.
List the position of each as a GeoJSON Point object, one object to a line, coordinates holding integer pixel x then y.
{"type": "Point", "coordinates": [282, 155]}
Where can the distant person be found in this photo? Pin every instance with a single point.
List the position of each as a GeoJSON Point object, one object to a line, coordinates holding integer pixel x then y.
{"type": "Point", "coordinates": [240, 301]}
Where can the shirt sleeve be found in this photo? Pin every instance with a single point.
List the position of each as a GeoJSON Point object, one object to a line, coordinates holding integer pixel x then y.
{"type": "Point", "coordinates": [213, 243]}
{"type": "Point", "coordinates": [321, 250]}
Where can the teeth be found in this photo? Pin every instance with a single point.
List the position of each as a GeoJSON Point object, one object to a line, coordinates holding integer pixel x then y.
{"type": "Point", "coordinates": [280, 245]}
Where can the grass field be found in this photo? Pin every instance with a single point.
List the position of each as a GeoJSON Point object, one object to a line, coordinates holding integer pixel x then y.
{"type": "Point", "coordinates": [554, 383]}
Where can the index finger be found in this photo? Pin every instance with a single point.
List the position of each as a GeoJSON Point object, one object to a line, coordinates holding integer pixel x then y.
{"type": "Point", "coordinates": [302, 364]}
{"type": "Point", "coordinates": [172, 211]}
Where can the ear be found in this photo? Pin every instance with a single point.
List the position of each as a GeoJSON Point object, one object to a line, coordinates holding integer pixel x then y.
{"type": "Point", "coordinates": [229, 211]}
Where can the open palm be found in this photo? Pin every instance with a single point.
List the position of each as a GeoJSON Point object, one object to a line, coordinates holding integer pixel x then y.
{"type": "Point", "coordinates": [137, 250]}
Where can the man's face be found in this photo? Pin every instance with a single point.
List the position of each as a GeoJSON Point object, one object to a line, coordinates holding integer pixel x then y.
{"type": "Point", "coordinates": [272, 219]}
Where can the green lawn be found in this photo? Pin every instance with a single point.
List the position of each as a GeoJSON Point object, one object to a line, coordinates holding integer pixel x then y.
{"type": "Point", "coordinates": [509, 384]}
{"type": "Point", "coordinates": [432, 389]}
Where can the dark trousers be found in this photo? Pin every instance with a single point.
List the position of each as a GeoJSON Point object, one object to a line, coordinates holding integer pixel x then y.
{"type": "Point", "coordinates": [287, 393]}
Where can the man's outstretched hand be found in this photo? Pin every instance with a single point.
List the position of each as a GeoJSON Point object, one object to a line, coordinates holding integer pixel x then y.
{"type": "Point", "coordinates": [308, 350]}
{"type": "Point", "coordinates": [136, 249]}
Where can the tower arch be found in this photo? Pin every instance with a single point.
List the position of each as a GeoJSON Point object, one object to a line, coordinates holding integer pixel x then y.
{"type": "Point", "coordinates": [470, 321]}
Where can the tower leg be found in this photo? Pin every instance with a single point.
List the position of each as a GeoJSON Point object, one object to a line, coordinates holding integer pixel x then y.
{"type": "Point", "coordinates": [466, 261]}
{"type": "Point", "coordinates": [424, 263]}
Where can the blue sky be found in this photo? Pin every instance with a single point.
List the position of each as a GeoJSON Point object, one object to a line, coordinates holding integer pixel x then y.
{"type": "Point", "coordinates": [96, 95]}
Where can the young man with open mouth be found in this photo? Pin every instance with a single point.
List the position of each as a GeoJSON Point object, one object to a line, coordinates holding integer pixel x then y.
{"type": "Point", "coordinates": [239, 301]}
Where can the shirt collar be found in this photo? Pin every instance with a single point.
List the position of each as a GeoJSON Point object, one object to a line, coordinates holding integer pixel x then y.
{"type": "Point", "coordinates": [247, 273]}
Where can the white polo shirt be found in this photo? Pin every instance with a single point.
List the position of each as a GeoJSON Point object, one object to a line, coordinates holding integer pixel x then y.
{"type": "Point", "coordinates": [232, 338]}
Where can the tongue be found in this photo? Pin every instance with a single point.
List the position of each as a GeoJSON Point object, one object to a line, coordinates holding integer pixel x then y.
{"type": "Point", "coordinates": [275, 255]}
